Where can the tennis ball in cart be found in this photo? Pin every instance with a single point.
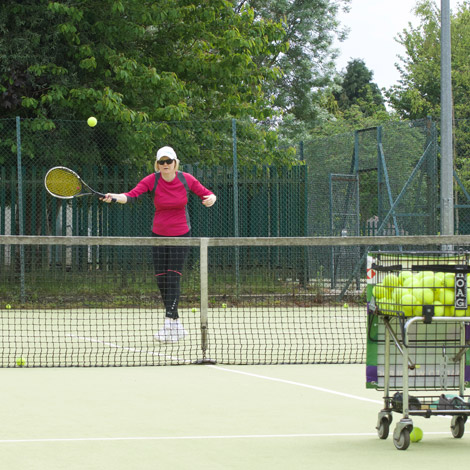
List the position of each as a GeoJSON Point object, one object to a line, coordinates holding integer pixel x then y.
{"type": "Point", "coordinates": [439, 309]}
{"type": "Point", "coordinates": [407, 304]}
{"type": "Point", "coordinates": [416, 434]}
{"type": "Point", "coordinates": [425, 295]}
{"type": "Point", "coordinates": [391, 281]}
{"type": "Point", "coordinates": [449, 280]}
{"type": "Point", "coordinates": [92, 121]}
{"type": "Point", "coordinates": [20, 361]}
{"type": "Point", "coordinates": [403, 276]}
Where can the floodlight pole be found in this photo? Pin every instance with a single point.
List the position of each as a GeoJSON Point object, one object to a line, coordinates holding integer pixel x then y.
{"type": "Point", "coordinates": [447, 163]}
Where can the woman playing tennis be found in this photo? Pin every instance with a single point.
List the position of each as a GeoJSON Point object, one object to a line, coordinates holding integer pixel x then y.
{"type": "Point", "coordinates": [171, 219]}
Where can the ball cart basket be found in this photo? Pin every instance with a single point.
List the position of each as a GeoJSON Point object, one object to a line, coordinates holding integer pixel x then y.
{"type": "Point", "coordinates": [418, 337]}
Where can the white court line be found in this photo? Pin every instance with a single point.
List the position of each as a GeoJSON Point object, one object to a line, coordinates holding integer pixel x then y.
{"type": "Point", "coordinates": [117, 346]}
{"type": "Point", "coordinates": [298, 384]}
{"type": "Point", "coordinates": [185, 438]}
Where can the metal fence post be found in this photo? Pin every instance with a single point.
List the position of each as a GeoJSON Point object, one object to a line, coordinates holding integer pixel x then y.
{"type": "Point", "coordinates": [235, 201]}
{"type": "Point", "coordinates": [20, 206]}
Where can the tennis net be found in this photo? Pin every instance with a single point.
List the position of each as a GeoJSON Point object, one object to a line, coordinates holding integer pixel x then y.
{"type": "Point", "coordinates": [94, 301]}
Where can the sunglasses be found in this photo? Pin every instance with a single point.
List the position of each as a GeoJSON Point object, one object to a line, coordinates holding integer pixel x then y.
{"type": "Point", "coordinates": [165, 162]}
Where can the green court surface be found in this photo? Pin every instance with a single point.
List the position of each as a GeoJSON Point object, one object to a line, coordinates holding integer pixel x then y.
{"type": "Point", "coordinates": [211, 417]}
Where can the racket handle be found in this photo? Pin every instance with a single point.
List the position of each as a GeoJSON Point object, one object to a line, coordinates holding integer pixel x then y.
{"type": "Point", "coordinates": [104, 195]}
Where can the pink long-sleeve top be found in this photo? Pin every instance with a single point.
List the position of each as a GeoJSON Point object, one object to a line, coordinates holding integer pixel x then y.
{"type": "Point", "coordinates": [171, 217]}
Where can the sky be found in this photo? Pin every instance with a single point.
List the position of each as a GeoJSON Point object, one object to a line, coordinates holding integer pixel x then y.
{"type": "Point", "coordinates": [373, 26]}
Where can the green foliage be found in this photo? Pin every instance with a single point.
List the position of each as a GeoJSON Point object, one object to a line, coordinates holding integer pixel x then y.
{"type": "Point", "coordinates": [418, 93]}
{"type": "Point", "coordinates": [357, 89]}
{"type": "Point", "coordinates": [134, 61]}
{"type": "Point", "coordinates": [308, 64]}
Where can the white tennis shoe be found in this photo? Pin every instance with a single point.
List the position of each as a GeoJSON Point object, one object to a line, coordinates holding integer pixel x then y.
{"type": "Point", "coordinates": [171, 332]}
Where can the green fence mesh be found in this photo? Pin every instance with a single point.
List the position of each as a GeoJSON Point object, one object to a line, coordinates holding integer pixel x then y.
{"type": "Point", "coordinates": [396, 166]}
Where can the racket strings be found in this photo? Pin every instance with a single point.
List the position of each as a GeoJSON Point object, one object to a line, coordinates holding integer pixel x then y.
{"type": "Point", "coordinates": [62, 183]}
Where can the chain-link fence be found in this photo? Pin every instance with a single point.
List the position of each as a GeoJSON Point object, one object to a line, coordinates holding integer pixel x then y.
{"type": "Point", "coordinates": [397, 170]}
{"type": "Point", "coordinates": [255, 197]}
{"type": "Point", "coordinates": [378, 181]}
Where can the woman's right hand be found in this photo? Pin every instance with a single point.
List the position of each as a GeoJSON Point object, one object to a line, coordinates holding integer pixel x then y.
{"type": "Point", "coordinates": [109, 197]}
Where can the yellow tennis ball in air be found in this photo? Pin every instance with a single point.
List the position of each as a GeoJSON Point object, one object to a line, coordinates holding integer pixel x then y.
{"type": "Point", "coordinates": [224, 305]}
{"type": "Point", "coordinates": [92, 121]}
{"type": "Point", "coordinates": [194, 310]}
{"type": "Point", "coordinates": [8, 306]}
{"type": "Point", "coordinates": [20, 362]}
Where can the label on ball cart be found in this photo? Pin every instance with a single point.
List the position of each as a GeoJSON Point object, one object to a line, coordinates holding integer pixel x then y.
{"type": "Point", "coordinates": [461, 291]}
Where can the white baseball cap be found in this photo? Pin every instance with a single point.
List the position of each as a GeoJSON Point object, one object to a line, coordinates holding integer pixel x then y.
{"type": "Point", "coordinates": [166, 152]}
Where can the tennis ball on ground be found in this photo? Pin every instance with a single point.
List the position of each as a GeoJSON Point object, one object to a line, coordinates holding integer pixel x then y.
{"type": "Point", "coordinates": [20, 361]}
{"type": "Point", "coordinates": [416, 434]}
{"type": "Point", "coordinates": [92, 121]}
{"type": "Point", "coordinates": [8, 306]}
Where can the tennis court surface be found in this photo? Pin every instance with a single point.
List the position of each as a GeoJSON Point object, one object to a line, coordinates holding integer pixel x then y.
{"type": "Point", "coordinates": [214, 417]}
{"type": "Point", "coordinates": [279, 326]}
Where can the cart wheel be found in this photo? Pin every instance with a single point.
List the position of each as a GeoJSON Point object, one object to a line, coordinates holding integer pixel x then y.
{"type": "Point", "coordinates": [403, 441]}
{"type": "Point", "coordinates": [384, 428]}
{"type": "Point", "coordinates": [458, 427]}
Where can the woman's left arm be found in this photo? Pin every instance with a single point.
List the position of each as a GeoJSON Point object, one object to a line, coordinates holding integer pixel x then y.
{"type": "Point", "coordinates": [207, 196]}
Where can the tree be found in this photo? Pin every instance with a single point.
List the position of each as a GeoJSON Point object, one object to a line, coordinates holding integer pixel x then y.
{"type": "Point", "coordinates": [357, 89]}
{"type": "Point", "coordinates": [417, 94]}
{"type": "Point", "coordinates": [135, 60]}
{"type": "Point", "coordinates": [308, 64]}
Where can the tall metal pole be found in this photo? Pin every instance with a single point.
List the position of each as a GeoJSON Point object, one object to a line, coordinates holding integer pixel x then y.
{"type": "Point", "coordinates": [20, 208]}
{"type": "Point", "coordinates": [447, 161]}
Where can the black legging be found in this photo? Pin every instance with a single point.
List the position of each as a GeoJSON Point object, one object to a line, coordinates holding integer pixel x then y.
{"type": "Point", "coordinates": [168, 262]}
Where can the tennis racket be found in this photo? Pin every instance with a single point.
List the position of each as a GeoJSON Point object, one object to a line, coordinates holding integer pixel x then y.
{"type": "Point", "coordinates": [64, 183]}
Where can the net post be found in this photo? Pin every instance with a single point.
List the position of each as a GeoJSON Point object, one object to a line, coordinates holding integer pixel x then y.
{"type": "Point", "coordinates": [203, 255]}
